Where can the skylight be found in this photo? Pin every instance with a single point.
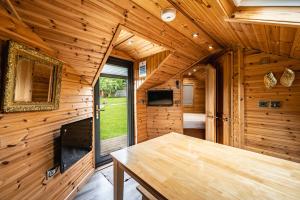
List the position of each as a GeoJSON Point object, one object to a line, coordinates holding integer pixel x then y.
{"type": "Point", "coordinates": [267, 3]}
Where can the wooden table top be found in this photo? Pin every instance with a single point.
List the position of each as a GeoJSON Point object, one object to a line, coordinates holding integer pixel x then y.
{"type": "Point", "coordinates": [182, 167]}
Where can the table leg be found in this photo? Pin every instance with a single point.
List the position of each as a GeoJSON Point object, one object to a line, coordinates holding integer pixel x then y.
{"type": "Point", "coordinates": [118, 181]}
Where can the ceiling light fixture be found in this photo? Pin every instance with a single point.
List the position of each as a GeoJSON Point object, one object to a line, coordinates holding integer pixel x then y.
{"type": "Point", "coordinates": [195, 35]}
{"type": "Point", "coordinates": [130, 42]}
{"type": "Point", "coordinates": [190, 73]}
{"type": "Point", "coordinates": [194, 70]}
{"type": "Point", "coordinates": [210, 47]}
{"type": "Point", "coordinates": [168, 14]}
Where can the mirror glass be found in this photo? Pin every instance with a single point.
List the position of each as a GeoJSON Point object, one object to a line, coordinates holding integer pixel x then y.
{"type": "Point", "coordinates": [33, 81]}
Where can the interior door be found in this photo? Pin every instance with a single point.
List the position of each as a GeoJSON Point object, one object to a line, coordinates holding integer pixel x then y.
{"type": "Point", "coordinates": [223, 102]}
{"type": "Point", "coordinates": [210, 125]}
{"type": "Point", "coordinates": [226, 115]}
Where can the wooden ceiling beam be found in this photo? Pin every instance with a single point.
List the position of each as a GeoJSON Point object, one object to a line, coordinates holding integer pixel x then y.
{"type": "Point", "coordinates": [108, 51]}
{"type": "Point", "coordinates": [121, 54]}
{"type": "Point", "coordinates": [125, 40]}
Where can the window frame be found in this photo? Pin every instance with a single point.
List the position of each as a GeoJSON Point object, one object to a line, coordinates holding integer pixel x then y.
{"type": "Point", "coordinates": [193, 94]}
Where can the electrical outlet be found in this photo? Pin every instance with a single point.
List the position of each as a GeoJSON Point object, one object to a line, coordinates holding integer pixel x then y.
{"type": "Point", "coordinates": [263, 104]}
{"type": "Point", "coordinates": [275, 104]}
{"type": "Point", "coordinates": [51, 172]}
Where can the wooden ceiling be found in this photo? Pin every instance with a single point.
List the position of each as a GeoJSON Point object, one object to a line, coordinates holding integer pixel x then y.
{"type": "Point", "coordinates": [214, 16]}
{"type": "Point", "coordinates": [80, 31]}
{"type": "Point", "coordinates": [136, 46]}
{"type": "Point", "coordinates": [198, 72]}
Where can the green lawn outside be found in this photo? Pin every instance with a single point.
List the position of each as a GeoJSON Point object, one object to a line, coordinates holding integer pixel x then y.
{"type": "Point", "coordinates": [113, 120]}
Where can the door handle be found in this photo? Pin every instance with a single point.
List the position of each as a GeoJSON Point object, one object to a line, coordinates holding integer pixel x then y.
{"type": "Point", "coordinates": [97, 108]}
{"type": "Point", "coordinates": [97, 111]}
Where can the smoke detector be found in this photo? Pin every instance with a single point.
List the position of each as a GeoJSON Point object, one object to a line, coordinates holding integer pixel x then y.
{"type": "Point", "coordinates": [168, 14]}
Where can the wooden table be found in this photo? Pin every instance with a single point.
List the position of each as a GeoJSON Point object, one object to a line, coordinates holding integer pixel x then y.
{"type": "Point", "coordinates": [175, 166]}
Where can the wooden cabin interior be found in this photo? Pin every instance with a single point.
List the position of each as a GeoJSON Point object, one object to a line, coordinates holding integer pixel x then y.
{"type": "Point", "coordinates": [150, 99]}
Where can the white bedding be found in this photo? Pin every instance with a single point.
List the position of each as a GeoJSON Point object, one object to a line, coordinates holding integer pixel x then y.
{"type": "Point", "coordinates": [194, 120]}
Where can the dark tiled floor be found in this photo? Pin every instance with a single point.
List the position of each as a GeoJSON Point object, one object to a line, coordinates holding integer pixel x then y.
{"type": "Point", "coordinates": [100, 187]}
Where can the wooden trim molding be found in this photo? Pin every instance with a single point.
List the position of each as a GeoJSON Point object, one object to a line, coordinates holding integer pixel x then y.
{"type": "Point", "coordinates": [241, 99]}
{"type": "Point", "coordinates": [107, 54]}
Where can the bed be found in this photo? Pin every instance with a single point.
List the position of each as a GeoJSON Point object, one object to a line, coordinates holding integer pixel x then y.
{"type": "Point", "coordinates": [193, 120]}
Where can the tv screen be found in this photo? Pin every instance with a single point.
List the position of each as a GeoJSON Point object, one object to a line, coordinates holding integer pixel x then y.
{"type": "Point", "coordinates": [160, 97]}
{"type": "Point", "coordinates": [76, 142]}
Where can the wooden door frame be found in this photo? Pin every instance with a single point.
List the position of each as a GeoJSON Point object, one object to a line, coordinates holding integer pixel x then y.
{"type": "Point", "coordinates": [112, 43]}
{"type": "Point", "coordinates": [101, 160]}
{"type": "Point", "coordinates": [211, 136]}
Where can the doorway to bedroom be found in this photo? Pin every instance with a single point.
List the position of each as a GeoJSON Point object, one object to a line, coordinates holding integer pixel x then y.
{"type": "Point", "coordinates": [199, 102]}
{"type": "Point", "coordinates": [194, 103]}
{"type": "Point", "coordinates": [113, 109]}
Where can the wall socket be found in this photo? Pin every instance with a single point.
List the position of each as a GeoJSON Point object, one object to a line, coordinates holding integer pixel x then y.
{"type": "Point", "coordinates": [51, 172]}
{"type": "Point", "coordinates": [269, 104]}
{"type": "Point", "coordinates": [263, 104]}
{"type": "Point", "coordinates": [275, 104]}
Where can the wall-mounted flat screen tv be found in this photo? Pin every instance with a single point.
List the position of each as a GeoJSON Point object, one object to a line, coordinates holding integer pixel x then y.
{"type": "Point", "coordinates": [76, 142]}
{"type": "Point", "coordinates": [160, 97]}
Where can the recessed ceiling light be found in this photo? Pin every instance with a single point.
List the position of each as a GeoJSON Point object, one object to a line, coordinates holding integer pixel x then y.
{"type": "Point", "coordinates": [210, 47]}
{"type": "Point", "coordinates": [189, 73]}
{"type": "Point", "coordinates": [130, 42]}
{"type": "Point", "coordinates": [168, 14]}
{"type": "Point", "coordinates": [194, 70]}
{"type": "Point", "coordinates": [195, 35]}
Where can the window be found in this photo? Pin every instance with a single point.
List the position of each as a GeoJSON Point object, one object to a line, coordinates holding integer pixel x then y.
{"type": "Point", "coordinates": [188, 94]}
{"type": "Point", "coordinates": [267, 3]}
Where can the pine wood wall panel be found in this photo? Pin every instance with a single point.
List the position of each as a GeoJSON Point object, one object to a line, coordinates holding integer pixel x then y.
{"type": "Point", "coordinates": [27, 147]}
{"type": "Point", "coordinates": [152, 63]}
{"type": "Point", "coordinates": [163, 120]}
{"type": "Point", "coordinates": [80, 33]}
{"type": "Point", "coordinates": [141, 116]}
{"type": "Point", "coordinates": [12, 28]}
{"type": "Point", "coordinates": [267, 130]}
{"type": "Point", "coordinates": [173, 64]}
{"type": "Point", "coordinates": [162, 76]}
{"type": "Point", "coordinates": [28, 141]}
{"type": "Point", "coordinates": [199, 95]}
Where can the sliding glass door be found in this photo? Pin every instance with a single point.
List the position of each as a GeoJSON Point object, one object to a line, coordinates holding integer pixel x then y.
{"type": "Point", "coordinates": [114, 128]}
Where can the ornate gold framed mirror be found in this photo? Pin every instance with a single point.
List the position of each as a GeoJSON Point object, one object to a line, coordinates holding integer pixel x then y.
{"type": "Point", "coordinates": [32, 80]}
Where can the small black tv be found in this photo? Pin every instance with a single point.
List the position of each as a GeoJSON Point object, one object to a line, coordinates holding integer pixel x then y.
{"type": "Point", "coordinates": [160, 98]}
{"type": "Point", "coordinates": [76, 142]}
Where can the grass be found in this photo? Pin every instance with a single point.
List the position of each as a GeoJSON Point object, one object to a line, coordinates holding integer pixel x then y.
{"type": "Point", "coordinates": [113, 121]}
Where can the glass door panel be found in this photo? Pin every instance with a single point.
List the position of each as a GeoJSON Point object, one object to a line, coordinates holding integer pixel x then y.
{"type": "Point", "coordinates": [114, 120]}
